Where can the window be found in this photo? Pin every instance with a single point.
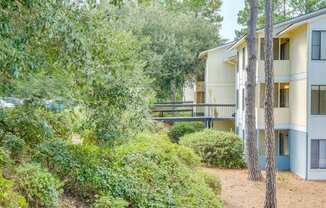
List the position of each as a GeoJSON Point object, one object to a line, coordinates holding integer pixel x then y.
{"type": "Point", "coordinates": [318, 154]}
{"type": "Point", "coordinates": [283, 143]}
{"type": "Point", "coordinates": [318, 45]}
{"type": "Point", "coordinates": [281, 95]}
{"type": "Point", "coordinates": [284, 95]}
{"type": "Point", "coordinates": [318, 100]}
{"type": "Point", "coordinates": [276, 48]}
{"type": "Point", "coordinates": [244, 59]}
{"type": "Point", "coordinates": [285, 49]}
{"type": "Point", "coordinates": [281, 48]}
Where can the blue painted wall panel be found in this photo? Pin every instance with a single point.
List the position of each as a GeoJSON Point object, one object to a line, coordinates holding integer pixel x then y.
{"type": "Point", "coordinates": [298, 152]}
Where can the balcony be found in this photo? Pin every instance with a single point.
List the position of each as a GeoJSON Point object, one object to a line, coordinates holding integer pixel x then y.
{"type": "Point", "coordinates": [281, 70]}
{"type": "Point", "coordinates": [281, 117]}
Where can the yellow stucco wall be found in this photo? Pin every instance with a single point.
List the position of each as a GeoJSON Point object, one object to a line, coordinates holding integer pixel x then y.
{"type": "Point", "coordinates": [224, 125]}
{"type": "Point", "coordinates": [219, 77]}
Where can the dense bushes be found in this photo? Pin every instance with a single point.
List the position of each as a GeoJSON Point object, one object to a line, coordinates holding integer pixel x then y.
{"type": "Point", "coordinates": [183, 128]}
{"type": "Point", "coordinates": [217, 148]}
{"type": "Point", "coordinates": [110, 202]}
{"type": "Point", "coordinates": [15, 145]}
{"type": "Point", "coordinates": [39, 187]}
{"type": "Point", "coordinates": [8, 197]}
{"type": "Point", "coordinates": [148, 171]}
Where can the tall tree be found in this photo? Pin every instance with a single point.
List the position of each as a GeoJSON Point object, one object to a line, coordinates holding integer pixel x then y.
{"type": "Point", "coordinates": [282, 10]}
{"type": "Point", "coordinates": [251, 134]}
{"type": "Point", "coordinates": [174, 41]}
{"type": "Point", "coordinates": [270, 197]}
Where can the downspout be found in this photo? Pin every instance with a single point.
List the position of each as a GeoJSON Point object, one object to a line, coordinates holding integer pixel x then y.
{"type": "Point", "coordinates": [308, 100]}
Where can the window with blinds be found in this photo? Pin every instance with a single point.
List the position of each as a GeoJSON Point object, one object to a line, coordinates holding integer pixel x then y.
{"type": "Point", "coordinates": [318, 45]}
{"type": "Point", "coordinates": [318, 99]}
{"type": "Point", "coordinates": [318, 154]}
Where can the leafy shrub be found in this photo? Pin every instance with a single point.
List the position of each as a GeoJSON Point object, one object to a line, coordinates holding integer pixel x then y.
{"type": "Point", "coordinates": [148, 171]}
{"type": "Point", "coordinates": [25, 122]}
{"type": "Point", "coordinates": [38, 186]}
{"type": "Point", "coordinates": [217, 148]}
{"type": "Point", "coordinates": [8, 197]}
{"type": "Point", "coordinates": [183, 128]}
{"type": "Point", "coordinates": [15, 145]}
{"type": "Point", "coordinates": [84, 168]}
{"type": "Point", "coordinates": [213, 182]}
{"type": "Point", "coordinates": [4, 157]}
{"type": "Point", "coordinates": [110, 202]}
{"type": "Point", "coordinates": [61, 122]}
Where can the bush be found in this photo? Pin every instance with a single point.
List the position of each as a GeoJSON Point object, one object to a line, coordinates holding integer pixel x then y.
{"type": "Point", "coordinates": [183, 128]}
{"type": "Point", "coordinates": [110, 202]}
{"type": "Point", "coordinates": [26, 122]}
{"type": "Point", "coordinates": [148, 171]}
{"type": "Point", "coordinates": [217, 148]}
{"type": "Point", "coordinates": [38, 186]}
{"type": "Point", "coordinates": [15, 145]}
{"type": "Point", "coordinates": [4, 157]}
{"type": "Point", "coordinates": [84, 168]}
{"type": "Point", "coordinates": [213, 182]}
{"type": "Point", "coordinates": [8, 197]}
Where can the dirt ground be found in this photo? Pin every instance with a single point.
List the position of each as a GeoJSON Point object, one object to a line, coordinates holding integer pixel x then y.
{"type": "Point", "coordinates": [292, 192]}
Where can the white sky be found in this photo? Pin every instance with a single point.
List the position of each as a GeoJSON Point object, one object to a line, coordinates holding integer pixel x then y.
{"type": "Point", "coordinates": [229, 11]}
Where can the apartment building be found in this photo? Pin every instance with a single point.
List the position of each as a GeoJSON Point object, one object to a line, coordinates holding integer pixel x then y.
{"type": "Point", "coordinates": [299, 47]}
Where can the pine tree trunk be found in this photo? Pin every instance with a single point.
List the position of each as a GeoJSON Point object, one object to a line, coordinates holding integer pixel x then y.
{"type": "Point", "coordinates": [270, 197]}
{"type": "Point", "coordinates": [254, 173]}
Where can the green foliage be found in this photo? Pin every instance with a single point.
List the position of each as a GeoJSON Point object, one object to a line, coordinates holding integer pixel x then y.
{"type": "Point", "coordinates": [282, 10]}
{"type": "Point", "coordinates": [152, 172]}
{"type": "Point", "coordinates": [15, 145]}
{"type": "Point", "coordinates": [148, 171]}
{"type": "Point", "coordinates": [174, 40]}
{"type": "Point", "coordinates": [8, 197]}
{"type": "Point", "coordinates": [4, 157]}
{"type": "Point", "coordinates": [183, 128]}
{"type": "Point", "coordinates": [39, 187]}
{"type": "Point", "coordinates": [83, 168]}
{"type": "Point", "coordinates": [110, 202]}
{"type": "Point", "coordinates": [213, 182]}
{"type": "Point", "coordinates": [78, 56]}
{"type": "Point", "coordinates": [217, 148]}
{"type": "Point", "coordinates": [60, 122]}
{"type": "Point", "coordinates": [26, 123]}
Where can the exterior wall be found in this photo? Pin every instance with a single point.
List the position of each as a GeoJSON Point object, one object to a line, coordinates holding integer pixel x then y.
{"type": "Point", "coordinates": [224, 125]}
{"type": "Point", "coordinates": [298, 152]}
{"type": "Point", "coordinates": [316, 123]}
{"type": "Point", "coordinates": [219, 78]}
{"type": "Point", "coordinates": [294, 118]}
{"type": "Point", "coordinates": [282, 162]}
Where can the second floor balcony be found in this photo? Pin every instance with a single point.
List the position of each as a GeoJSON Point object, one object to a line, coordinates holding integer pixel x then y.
{"type": "Point", "coordinates": [281, 70]}
{"type": "Point", "coordinates": [281, 52]}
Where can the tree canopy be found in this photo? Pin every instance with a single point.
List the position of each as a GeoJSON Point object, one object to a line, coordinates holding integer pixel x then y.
{"type": "Point", "coordinates": [282, 10]}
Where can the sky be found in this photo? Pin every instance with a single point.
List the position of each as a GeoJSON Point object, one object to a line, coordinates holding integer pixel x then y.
{"type": "Point", "coordinates": [229, 11]}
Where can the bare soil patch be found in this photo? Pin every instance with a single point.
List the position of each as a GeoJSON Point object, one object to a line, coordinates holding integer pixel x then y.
{"type": "Point", "coordinates": [292, 191]}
